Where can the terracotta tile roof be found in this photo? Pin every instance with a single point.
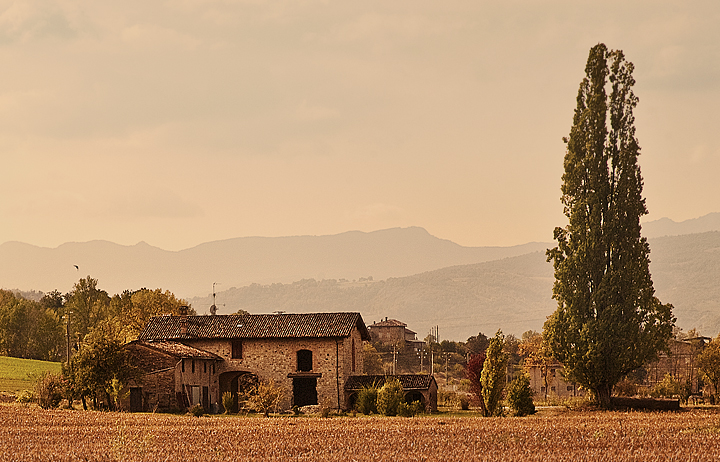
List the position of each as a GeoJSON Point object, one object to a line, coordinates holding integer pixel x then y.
{"type": "Point", "coordinates": [289, 325]}
{"type": "Point", "coordinates": [408, 381]}
{"type": "Point", "coordinates": [177, 349]}
{"type": "Point", "coordinates": [388, 323]}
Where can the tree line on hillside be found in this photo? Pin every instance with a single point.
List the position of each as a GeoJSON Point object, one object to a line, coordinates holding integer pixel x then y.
{"type": "Point", "coordinates": [85, 328]}
{"type": "Point", "coordinates": [42, 329]}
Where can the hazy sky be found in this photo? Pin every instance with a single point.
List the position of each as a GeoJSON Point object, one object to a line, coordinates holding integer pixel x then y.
{"type": "Point", "coordinates": [181, 122]}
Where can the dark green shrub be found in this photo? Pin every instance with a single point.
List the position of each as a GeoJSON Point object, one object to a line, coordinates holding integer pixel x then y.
{"type": "Point", "coordinates": [389, 397]}
{"type": "Point", "coordinates": [403, 410]}
{"type": "Point", "coordinates": [416, 407]}
{"type": "Point", "coordinates": [410, 409]}
{"type": "Point", "coordinates": [464, 403]}
{"type": "Point", "coordinates": [519, 396]}
{"type": "Point", "coordinates": [197, 410]}
{"type": "Point", "coordinates": [367, 400]}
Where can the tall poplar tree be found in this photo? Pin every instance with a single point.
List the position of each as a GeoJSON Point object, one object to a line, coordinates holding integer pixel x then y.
{"type": "Point", "coordinates": [608, 321]}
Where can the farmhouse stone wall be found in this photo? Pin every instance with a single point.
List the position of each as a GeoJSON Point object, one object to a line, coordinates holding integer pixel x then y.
{"type": "Point", "coordinates": [333, 362]}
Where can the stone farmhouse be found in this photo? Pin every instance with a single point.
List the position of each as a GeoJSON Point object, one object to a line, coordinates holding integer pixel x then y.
{"type": "Point", "coordinates": [394, 332]}
{"type": "Point", "coordinates": [188, 360]}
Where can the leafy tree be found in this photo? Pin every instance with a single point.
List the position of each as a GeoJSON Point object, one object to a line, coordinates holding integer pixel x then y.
{"type": "Point", "coordinates": [708, 363]}
{"type": "Point", "coordinates": [47, 337]}
{"type": "Point", "coordinates": [477, 343]}
{"type": "Point", "coordinates": [511, 347]}
{"type": "Point", "coordinates": [493, 373]}
{"type": "Point", "coordinates": [608, 321]}
{"type": "Point", "coordinates": [87, 306]}
{"type": "Point", "coordinates": [135, 309]}
{"type": "Point", "coordinates": [372, 364]}
{"type": "Point", "coordinates": [27, 329]}
{"type": "Point", "coordinates": [519, 396]}
{"type": "Point", "coordinates": [99, 361]}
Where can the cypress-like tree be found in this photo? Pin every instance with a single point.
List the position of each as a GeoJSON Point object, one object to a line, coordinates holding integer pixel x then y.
{"type": "Point", "coordinates": [608, 321]}
{"type": "Point", "coordinates": [492, 377]}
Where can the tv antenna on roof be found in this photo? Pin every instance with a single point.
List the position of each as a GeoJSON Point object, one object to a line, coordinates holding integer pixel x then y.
{"type": "Point", "coordinates": [213, 307]}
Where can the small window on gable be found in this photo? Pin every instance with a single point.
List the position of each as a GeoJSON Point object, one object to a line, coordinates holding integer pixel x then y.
{"type": "Point", "coordinates": [304, 360]}
{"type": "Point", "coordinates": [237, 349]}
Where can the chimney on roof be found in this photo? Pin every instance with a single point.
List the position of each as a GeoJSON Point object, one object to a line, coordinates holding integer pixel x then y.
{"type": "Point", "coordinates": [386, 318]}
{"type": "Point", "coordinates": [183, 320]}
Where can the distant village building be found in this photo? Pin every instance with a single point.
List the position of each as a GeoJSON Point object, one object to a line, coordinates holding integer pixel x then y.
{"type": "Point", "coordinates": [678, 362]}
{"type": "Point", "coordinates": [190, 360]}
{"type": "Point", "coordinates": [548, 381]}
{"type": "Point", "coordinates": [394, 332]}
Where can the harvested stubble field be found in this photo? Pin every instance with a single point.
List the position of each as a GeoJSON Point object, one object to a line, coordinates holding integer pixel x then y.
{"type": "Point", "coordinates": [31, 434]}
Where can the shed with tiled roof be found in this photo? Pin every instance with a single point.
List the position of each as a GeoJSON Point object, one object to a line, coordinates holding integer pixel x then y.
{"type": "Point", "coordinates": [416, 387]}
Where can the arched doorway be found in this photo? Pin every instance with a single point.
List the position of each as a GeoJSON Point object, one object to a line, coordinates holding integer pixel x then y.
{"type": "Point", "coordinates": [413, 396]}
{"type": "Point", "coordinates": [237, 383]}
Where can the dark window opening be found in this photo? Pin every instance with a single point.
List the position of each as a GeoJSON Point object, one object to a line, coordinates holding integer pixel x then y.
{"type": "Point", "coordinates": [353, 355]}
{"type": "Point", "coordinates": [236, 349]}
{"type": "Point", "coordinates": [192, 363]}
{"type": "Point", "coordinates": [182, 362]}
{"type": "Point", "coordinates": [304, 360]}
{"type": "Point", "coordinates": [205, 367]}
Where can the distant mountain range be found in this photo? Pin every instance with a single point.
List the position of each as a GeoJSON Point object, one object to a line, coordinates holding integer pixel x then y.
{"type": "Point", "coordinates": [513, 294]}
{"type": "Point", "coordinates": [668, 227]}
{"type": "Point", "coordinates": [402, 273]}
{"type": "Point", "coordinates": [235, 262]}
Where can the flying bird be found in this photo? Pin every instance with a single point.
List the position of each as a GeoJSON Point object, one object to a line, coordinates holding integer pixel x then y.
{"type": "Point", "coordinates": [77, 268]}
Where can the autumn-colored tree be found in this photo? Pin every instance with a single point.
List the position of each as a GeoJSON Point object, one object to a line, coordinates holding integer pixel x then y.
{"type": "Point", "coordinates": [473, 372]}
{"type": "Point", "coordinates": [134, 309]}
{"type": "Point", "coordinates": [265, 396]}
{"type": "Point", "coordinates": [534, 351]}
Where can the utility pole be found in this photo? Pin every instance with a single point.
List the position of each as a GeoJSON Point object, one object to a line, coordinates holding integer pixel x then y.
{"type": "Point", "coordinates": [432, 361]}
{"type": "Point", "coordinates": [67, 335]}
{"type": "Point", "coordinates": [394, 358]}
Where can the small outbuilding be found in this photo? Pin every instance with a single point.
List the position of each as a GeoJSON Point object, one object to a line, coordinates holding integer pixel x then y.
{"type": "Point", "coordinates": [416, 387]}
